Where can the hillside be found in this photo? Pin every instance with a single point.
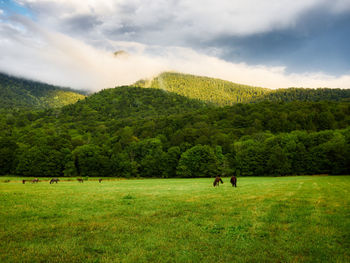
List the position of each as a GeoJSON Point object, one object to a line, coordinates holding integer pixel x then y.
{"type": "Point", "coordinates": [21, 93]}
{"type": "Point", "coordinates": [131, 102]}
{"type": "Point", "coordinates": [206, 89]}
{"type": "Point", "coordinates": [133, 131]}
{"type": "Point", "coordinates": [302, 94]}
{"type": "Point", "coordinates": [223, 93]}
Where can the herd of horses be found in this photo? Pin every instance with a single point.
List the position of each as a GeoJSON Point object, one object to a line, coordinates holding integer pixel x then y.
{"type": "Point", "coordinates": [54, 180]}
{"type": "Point", "coordinates": [217, 181]}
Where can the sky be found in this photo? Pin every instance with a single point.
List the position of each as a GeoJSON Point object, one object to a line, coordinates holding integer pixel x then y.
{"type": "Point", "coordinates": [271, 43]}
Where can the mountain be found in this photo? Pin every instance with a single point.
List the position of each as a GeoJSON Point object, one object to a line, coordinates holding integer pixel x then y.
{"type": "Point", "coordinates": [223, 93]}
{"type": "Point", "coordinates": [133, 131]}
{"type": "Point", "coordinates": [131, 102]}
{"type": "Point", "coordinates": [21, 93]}
{"type": "Point", "coordinates": [302, 94]}
{"type": "Point", "coordinates": [216, 91]}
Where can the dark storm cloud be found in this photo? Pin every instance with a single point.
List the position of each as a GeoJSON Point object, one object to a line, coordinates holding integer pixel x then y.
{"type": "Point", "coordinates": [318, 42]}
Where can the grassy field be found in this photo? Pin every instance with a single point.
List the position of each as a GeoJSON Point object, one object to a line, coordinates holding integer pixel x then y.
{"type": "Point", "coordinates": [282, 219]}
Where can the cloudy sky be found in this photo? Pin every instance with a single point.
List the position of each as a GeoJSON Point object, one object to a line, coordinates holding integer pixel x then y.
{"type": "Point", "coordinates": [270, 43]}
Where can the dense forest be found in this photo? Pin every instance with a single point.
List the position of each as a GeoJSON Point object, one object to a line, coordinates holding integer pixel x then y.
{"type": "Point", "coordinates": [222, 93]}
{"type": "Point", "coordinates": [138, 132]}
{"type": "Point", "coordinates": [216, 91]}
{"type": "Point", "coordinates": [22, 93]}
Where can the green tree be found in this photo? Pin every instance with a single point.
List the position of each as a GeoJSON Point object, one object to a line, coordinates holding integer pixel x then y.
{"type": "Point", "coordinates": [198, 161]}
{"type": "Point", "coordinates": [8, 148]}
{"type": "Point", "coordinates": [90, 160]}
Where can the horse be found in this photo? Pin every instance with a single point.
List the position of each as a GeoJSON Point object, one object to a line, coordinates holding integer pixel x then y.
{"type": "Point", "coordinates": [217, 181]}
{"type": "Point", "coordinates": [100, 180]}
{"type": "Point", "coordinates": [80, 180]}
{"type": "Point", "coordinates": [233, 181]}
{"type": "Point", "coordinates": [36, 180]}
{"type": "Point", "coordinates": [54, 180]}
{"type": "Point", "coordinates": [24, 181]}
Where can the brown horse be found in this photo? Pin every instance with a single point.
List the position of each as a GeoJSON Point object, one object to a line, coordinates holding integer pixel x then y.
{"type": "Point", "coordinates": [80, 180]}
{"type": "Point", "coordinates": [54, 180]}
{"type": "Point", "coordinates": [233, 181]}
{"type": "Point", "coordinates": [36, 180]}
{"type": "Point", "coordinates": [24, 181]}
{"type": "Point", "coordinates": [217, 181]}
{"type": "Point", "coordinates": [100, 180]}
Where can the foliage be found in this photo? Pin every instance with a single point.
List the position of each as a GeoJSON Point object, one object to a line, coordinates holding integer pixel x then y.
{"type": "Point", "coordinates": [206, 89]}
{"type": "Point", "coordinates": [136, 132]}
{"type": "Point", "coordinates": [21, 93]}
{"type": "Point", "coordinates": [198, 161]}
{"type": "Point", "coordinates": [222, 93]}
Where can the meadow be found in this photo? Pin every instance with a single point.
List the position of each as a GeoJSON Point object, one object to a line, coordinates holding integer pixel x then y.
{"type": "Point", "coordinates": [264, 219]}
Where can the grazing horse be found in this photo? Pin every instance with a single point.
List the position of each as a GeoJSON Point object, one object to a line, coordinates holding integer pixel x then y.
{"type": "Point", "coordinates": [54, 180]}
{"type": "Point", "coordinates": [100, 180]}
{"type": "Point", "coordinates": [24, 181]}
{"type": "Point", "coordinates": [233, 181]}
{"type": "Point", "coordinates": [80, 180]}
{"type": "Point", "coordinates": [36, 180]}
{"type": "Point", "coordinates": [217, 181]}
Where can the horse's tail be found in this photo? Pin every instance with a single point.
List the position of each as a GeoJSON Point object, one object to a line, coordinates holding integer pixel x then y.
{"type": "Point", "coordinates": [221, 181]}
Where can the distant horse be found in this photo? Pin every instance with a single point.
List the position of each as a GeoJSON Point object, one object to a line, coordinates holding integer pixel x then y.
{"type": "Point", "coordinates": [54, 180]}
{"type": "Point", "coordinates": [217, 181]}
{"type": "Point", "coordinates": [233, 181]}
{"type": "Point", "coordinates": [100, 180]}
{"type": "Point", "coordinates": [24, 181]}
{"type": "Point", "coordinates": [36, 180]}
{"type": "Point", "coordinates": [80, 180]}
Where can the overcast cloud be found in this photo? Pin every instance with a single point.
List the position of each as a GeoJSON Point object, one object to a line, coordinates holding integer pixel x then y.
{"type": "Point", "coordinates": [71, 42]}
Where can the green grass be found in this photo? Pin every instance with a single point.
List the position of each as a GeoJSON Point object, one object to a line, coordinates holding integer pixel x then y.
{"type": "Point", "coordinates": [284, 219]}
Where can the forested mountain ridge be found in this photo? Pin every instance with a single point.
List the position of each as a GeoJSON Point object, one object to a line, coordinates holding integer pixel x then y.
{"type": "Point", "coordinates": [22, 93]}
{"type": "Point", "coordinates": [132, 102]}
{"type": "Point", "coordinates": [216, 91]}
{"type": "Point", "coordinates": [132, 131]}
{"type": "Point", "coordinates": [303, 94]}
{"type": "Point", "coordinates": [223, 93]}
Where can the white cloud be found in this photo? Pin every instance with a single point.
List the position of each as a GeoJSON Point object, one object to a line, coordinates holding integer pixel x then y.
{"type": "Point", "coordinates": [163, 20]}
{"type": "Point", "coordinates": [33, 52]}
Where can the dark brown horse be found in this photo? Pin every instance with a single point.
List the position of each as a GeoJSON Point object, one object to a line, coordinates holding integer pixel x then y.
{"type": "Point", "coordinates": [54, 180]}
{"type": "Point", "coordinates": [100, 180]}
{"type": "Point", "coordinates": [24, 181]}
{"type": "Point", "coordinates": [36, 180]}
{"type": "Point", "coordinates": [80, 180]}
{"type": "Point", "coordinates": [217, 181]}
{"type": "Point", "coordinates": [233, 181]}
